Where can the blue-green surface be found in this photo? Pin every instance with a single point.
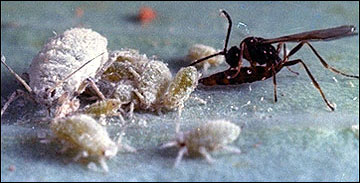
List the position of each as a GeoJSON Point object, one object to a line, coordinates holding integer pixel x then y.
{"type": "Point", "coordinates": [295, 139]}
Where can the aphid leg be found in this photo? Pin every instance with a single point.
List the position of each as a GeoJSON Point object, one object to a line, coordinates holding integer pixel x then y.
{"type": "Point", "coordinates": [118, 114]}
{"type": "Point", "coordinates": [123, 146]}
{"type": "Point", "coordinates": [168, 145]}
{"type": "Point", "coordinates": [133, 72]}
{"type": "Point", "coordinates": [128, 148]}
{"type": "Point", "coordinates": [92, 84]}
{"type": "Point", "coordinates": [323, 62]}
{"type": "Point", "coordinates": [207, 156]}
{"type": "Point", "coordinates": [180, 109]}
{"type": "Point", "coordinates": [199, 100]}
{"type": "Point", "coordinates": [180, 155]}
{"type": "Point", "coordinates": [103, 164]}
{"type": "Point", "coordinates": [13, 97]}
{"type": "Point", "coordinates": [131, 111]}
{"type": "Point", "coordinates": [317, 86]}
{"type": "Point", "coordinates": [81, 154]}
{"type": "Point", "coordinates": [274, 81]}
{"type": "Point", "coordinates": [22, 81]}
{"type": "Point", "coordinates": [232, 149]}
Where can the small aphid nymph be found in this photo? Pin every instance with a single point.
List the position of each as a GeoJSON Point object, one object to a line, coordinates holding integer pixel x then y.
{"type": "Point", "coordinates": [85, 134]}
{"type": "Point", "coordinates": [198, 51]}
{"type": "Point", "coordinates": [208, 137]}
{"type": "Point", "coordinates": [180, 88]}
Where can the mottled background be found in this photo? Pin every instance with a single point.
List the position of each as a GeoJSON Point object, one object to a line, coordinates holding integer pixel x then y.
{"type": "Point", "coordinates": [296, 139]}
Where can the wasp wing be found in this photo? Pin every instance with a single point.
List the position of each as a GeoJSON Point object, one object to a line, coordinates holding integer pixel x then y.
{"type": "Point", "coordinates": [316, 35]}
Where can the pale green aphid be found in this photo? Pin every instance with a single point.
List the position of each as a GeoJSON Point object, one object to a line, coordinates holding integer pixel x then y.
{"type": "Point", "coordinates": [208, 137]}
{"type": "Point", "coordinates": [83, 133]}
{"type": "Point", "coordinates": [107, 107]}
{"type": "Point", "coordinates": [180, 88]}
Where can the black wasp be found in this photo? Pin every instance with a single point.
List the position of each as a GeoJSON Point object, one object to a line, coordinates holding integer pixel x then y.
{"type": "Point", "coordinates": [264, 58]}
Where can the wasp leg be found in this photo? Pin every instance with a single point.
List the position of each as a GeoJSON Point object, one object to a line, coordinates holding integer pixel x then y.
{"type": "Point", "coordinates": [293, 62]}
{"type": "Point", "coordinates": [323, 62]}
{"type": "Point", "coordinates": [274, 81]}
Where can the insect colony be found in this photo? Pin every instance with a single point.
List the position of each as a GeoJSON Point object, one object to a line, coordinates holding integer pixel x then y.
{"type": "Point", "coordinates": [78, 62]}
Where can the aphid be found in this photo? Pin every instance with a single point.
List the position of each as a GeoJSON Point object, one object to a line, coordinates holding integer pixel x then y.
{"type": "Point", "coordinates": [264, 58]}
{"type": "Point", "coordinates": [150, 77]}
{"type": "Point", "coordinates": [66, 64]}
{"type": "Point", "coordinates": [150, 80]}
{"type": "Point", "coordinates": [199, 51]}
{"type": "Point", "coordinates": [180, 89]}
{"type": "Point", "coordinates": [121, 61]}
{"type": "Point", "coordinates": [208, 137]}
{"type": "Point", "coordinates": [107, 107]}
{"type": "Point", "coordinates": [83, 133]}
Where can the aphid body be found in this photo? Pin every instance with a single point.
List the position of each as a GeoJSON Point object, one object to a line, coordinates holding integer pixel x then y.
{"type": "Point", "coordinates": [63, 66]}
{"type": "Point", "coordinates": [107, 107]}
{"type": "Point", "coordinates": [180, 88]}
{"type": "Point", "coordinates": [207, 137]}
{"type": "Point", "coordinates": [63, 54]}
{"type": "Point", "coordinates": [83, 133]}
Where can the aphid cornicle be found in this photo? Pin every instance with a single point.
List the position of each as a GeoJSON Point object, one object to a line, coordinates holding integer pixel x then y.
{"type": "Point", "coordinates": [83, 133]}
{"type": "Point", "coordinates": [66, 64]}
{"type": "Point", "coordinates": [208, 137]}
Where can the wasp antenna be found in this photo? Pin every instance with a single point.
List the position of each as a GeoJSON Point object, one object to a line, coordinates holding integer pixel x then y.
{"type": "Point", "coordinates": [227, 16]}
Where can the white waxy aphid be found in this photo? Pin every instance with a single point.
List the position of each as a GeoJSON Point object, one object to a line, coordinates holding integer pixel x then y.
{"type": "Point", "coordinates": [199, 51]}
{"type": "Point", "coordinates": [208, 137]}
{"type": "Point", "coordinates": [180, 88]}
{"type": "Point", "coordinates": [152, 79]}
{"type": "Point", "coordinates": [85, 134]}
{"type": "Point", "coordinates": [64, 65]}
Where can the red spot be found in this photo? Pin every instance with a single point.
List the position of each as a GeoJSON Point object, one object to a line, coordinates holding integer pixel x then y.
{"type": "Point", "coordinates": [146, 15]}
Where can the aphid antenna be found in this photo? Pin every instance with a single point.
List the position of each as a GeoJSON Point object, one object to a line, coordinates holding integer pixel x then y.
{"type": "Point", "coordinates": [22, 81]}
{"type": "Point", "coordinates": [69, 76]}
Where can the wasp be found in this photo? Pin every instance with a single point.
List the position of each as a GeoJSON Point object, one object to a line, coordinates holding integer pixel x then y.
{"type": "Point", "coordinates": [264, 58]}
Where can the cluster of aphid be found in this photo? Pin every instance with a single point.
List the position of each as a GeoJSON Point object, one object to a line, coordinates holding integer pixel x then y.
{"type": "Point", "coordinates": [123, 80]}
